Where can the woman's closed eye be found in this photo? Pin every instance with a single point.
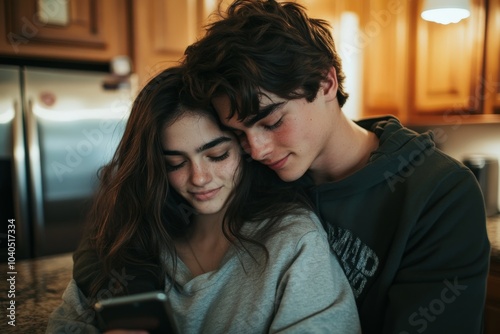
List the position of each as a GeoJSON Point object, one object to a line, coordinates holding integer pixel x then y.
{"type": "Point", "coordinates": [174, 166]}
{"type": "Point", "coordinates": [221, 157]}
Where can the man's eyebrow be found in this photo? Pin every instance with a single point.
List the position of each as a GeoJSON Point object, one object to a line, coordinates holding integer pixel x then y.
{"type": "Point", "coordinates": [263, 113]}
{"type": "Point", "coordinates": [204, 147]}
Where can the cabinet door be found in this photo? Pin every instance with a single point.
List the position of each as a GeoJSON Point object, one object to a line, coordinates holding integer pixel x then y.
{"type": "Point", "coordinates": [70, 29]}
{"type": "Point", "coordinates": [384, 43]}
{"type": "Point", "coordinates": [162, 31]}
{"type": "Point", "coordinates": [446, 64]}
{"type": "Point", "coordinates": [491, 84]}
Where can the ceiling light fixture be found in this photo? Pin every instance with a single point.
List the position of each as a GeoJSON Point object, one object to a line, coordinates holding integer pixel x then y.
{"type": "Point", "coordinates": [445, 11]}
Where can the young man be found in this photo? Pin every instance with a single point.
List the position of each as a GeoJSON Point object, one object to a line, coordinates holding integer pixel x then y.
{"type": "Point", "coordinates": [406, 221]}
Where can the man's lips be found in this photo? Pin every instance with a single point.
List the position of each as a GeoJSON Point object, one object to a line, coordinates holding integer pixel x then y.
{"type": "Point", "coordinates": [205, 195]}
{"type": "Point", "coordinates": [277, 164]}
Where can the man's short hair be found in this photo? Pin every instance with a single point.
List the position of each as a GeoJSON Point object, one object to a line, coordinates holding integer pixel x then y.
{"type": "Point", "coordinates": [262, 45]}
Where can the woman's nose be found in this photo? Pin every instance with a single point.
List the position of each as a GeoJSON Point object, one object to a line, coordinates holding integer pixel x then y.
{"type": "Point", "coordinates": [200, 174]}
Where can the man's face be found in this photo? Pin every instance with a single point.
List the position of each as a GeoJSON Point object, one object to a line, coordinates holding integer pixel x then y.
{"type": "Point", "coordinates": [289, 136]}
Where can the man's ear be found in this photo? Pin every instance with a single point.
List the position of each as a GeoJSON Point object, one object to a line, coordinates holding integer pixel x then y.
{"type": "Point", "coordinates": [329, 85]}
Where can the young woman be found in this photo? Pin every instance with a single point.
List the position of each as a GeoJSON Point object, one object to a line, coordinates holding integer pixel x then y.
{"type": "Point", "coordinates": [236, 249]}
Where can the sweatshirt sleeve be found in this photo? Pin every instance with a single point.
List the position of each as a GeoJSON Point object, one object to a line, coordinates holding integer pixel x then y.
{"type": "Point", "coordinates": [445, 267]}
{"type": "Point", "coordinates": [314, 294]}
{"type": "Point", "coordinates": [74, 315]}
{"type": "Point", "coordinates": [87, 265]}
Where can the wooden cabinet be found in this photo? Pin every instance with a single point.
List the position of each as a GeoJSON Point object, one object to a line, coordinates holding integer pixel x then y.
{"type": "Point", "coordinates": [446, 67]}
{"type": "Point", "coordinates": [384, 39]}
{"type": "Point", "coordinates": [161, 32]}
{"type": "Point", "coordinates": [429, 73]}
{"type": "Point", "coordinates": [64, 29]}
{"type": "Point", "coordinates": [492, 309]}
{"type": "Point", "coordinates": [491, 80]}
{"type": "Point", "coordinates": [163, 29]}
{"type": "Point", "coordinates": [154, 33]}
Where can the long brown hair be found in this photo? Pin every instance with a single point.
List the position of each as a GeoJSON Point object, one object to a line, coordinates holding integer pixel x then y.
{"type": "Point", "coordinates": [136, 216]}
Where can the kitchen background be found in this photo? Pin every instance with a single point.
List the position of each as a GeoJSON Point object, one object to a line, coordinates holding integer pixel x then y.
{"type": "Point", "coordinates": [431, 76]}
{"type": "Point", "coordinates": [69, 70]}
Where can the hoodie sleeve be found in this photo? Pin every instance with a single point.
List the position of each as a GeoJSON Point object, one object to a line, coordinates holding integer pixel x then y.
{"type": "Point", "coordinates": [74, 315]}
{"type": "Point", "coordinates": [87, 265]}
{"type": "Point", "coordinates": [440, 286]}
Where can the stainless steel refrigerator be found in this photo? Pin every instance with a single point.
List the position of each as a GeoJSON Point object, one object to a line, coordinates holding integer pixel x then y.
{"type": "Point", "coordinates": [57, 128]}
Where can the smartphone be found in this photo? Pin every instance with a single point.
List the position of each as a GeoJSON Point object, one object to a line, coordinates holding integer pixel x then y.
{"type": "Point", "coordinates": [147, 311]}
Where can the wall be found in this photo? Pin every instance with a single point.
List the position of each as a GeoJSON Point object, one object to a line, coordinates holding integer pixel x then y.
{"type": "Point", "coordinates": [459, 140]}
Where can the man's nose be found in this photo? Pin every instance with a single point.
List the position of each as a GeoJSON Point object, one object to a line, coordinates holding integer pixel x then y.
{"type": "Point", "coordinates": [258, 146]}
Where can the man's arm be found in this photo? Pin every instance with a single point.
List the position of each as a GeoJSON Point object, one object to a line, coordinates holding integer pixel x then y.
{"type": "Point", "coordinates": [441, 283]}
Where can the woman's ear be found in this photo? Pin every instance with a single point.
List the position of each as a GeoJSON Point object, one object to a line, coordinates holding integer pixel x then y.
{"type": "Point", "coordinates": [329, 85]}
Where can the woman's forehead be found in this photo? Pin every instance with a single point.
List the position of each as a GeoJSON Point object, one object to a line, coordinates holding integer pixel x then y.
{"type": "Point", "coordinates": [191, 131]}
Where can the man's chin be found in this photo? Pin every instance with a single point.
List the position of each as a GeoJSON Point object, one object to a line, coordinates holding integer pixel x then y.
{"type": "Point", "coordinates": [288, 176]}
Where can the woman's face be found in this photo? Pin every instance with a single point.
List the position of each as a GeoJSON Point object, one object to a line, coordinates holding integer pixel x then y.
{"type": "Point", "coordinates": [202, 162]}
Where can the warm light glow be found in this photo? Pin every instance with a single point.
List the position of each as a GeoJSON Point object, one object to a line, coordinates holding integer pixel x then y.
{"type": "Point", "coordinates": [445, 15]}
{"type": "Point", "coordinates": [351, 62]}
{"type": "Point", "coordinates": [445, 11]}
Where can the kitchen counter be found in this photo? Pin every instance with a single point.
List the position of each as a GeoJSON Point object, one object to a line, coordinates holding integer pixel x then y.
{"type": "Point", "coordinates": [39, 285]}
{"type": "Point", "coordinates": [494, 236]}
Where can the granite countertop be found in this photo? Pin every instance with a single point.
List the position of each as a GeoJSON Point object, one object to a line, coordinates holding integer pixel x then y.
{"type": "Point", "coordinates": [493, 226]}
{"type": "Point", "coordinates": [40, 283]}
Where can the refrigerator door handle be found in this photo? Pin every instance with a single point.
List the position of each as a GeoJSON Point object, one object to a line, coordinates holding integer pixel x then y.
{"type": "Point", "coordinates": [20, 184]}
{"type": "Point", "coordinates": [35, 172]}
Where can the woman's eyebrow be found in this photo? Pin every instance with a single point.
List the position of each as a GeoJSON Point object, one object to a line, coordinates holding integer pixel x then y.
{"type": "Point", "coordinates": [204, 147]}
{"type": "Point", "coordinates": [213, 143]}
{"type": "Point", "coordinates": [169, 152]}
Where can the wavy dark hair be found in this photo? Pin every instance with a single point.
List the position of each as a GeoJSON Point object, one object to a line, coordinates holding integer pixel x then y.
{"type": "Point", "coordinates": [262, 44]}
{"type": "Point", "coordinates": [136, 216]}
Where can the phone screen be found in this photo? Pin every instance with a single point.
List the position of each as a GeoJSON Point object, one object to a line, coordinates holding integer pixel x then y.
{"type": "Point", "coordinates": [146, 311]}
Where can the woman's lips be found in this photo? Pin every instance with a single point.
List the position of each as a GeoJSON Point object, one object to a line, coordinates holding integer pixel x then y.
{"type": "Point", "coordinates": [205, 195]}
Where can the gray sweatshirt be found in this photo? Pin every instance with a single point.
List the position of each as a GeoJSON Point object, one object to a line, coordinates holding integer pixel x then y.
{"type": "Point", "coordinates": [302, 289]}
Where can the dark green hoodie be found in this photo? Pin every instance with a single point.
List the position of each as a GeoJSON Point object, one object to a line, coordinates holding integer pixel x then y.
{"type": "Point", "coordinates": [410, 232]}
